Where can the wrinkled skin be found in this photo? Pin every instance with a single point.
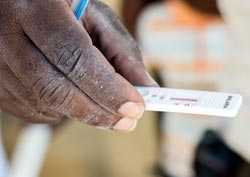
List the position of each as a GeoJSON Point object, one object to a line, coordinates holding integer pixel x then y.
{"type": "Point", "coordinates": [53, 68]}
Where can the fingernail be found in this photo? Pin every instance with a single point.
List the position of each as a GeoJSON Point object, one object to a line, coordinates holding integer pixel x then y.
{"type": "Point", "coordinates": [154, 83]}
{"type": "Point", "coordinates": [126, 125]}
{"type": "Point", "coordinates": [132, 110]}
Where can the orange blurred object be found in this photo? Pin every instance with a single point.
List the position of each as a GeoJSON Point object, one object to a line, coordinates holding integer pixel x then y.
{"type": "Point", "coordinates": [183, 15]}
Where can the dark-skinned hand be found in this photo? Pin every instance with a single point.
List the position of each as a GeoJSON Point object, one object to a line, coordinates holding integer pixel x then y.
{"type": "Point", "coordinates": [53, 67]}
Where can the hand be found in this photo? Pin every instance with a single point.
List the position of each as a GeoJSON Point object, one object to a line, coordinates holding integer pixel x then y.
{"type": "Point", "coordinates": [52, 67]}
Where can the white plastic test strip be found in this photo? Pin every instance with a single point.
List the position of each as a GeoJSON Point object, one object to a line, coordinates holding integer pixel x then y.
{"type": "Point", "coordinates": [191, 102]}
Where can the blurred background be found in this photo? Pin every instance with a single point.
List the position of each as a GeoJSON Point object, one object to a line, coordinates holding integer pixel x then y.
{"type": "Point", "coordinates": [187, 44]}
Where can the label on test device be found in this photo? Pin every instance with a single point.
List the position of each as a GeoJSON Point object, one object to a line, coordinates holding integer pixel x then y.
{"type": "Point", "coordinates": [191, 102]}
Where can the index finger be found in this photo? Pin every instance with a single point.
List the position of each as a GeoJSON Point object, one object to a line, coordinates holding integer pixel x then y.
{"type": "Point", "coordinates": [115, 42]}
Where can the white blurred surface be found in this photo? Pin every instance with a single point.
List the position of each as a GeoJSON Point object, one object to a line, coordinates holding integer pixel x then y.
{"type": "Point", "coordinates": [30, 151]}
{"type": "Point", "coordinates": [3, 161]}
{"type": "Point", "coordinates": [237, 15]}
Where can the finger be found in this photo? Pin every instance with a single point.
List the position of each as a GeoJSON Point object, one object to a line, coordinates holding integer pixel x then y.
{"type": "Point", "coordinates": [116, 43]}
{"type": "Point", "coordinates": [15, 107]}
{"type": "Point", "coordinates": [52, 26]}
{"type": "Point", "coordinates": [51, 91]}
{"type": "Point", "coordinates": [12, 101]}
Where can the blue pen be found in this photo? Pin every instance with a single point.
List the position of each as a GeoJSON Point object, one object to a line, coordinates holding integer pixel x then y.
{"type": "Point", "coordinates": [79, 7]}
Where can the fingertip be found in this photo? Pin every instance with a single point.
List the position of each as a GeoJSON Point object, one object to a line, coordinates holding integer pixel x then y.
{"type": "Point", "coordinates": [150, 81]}
{"type": "Point", "coordinates": [139, 76]}
{"type": "Point", "coordinates": [125, 125]}
{"type": "Point", "coordinates": [132, 110]}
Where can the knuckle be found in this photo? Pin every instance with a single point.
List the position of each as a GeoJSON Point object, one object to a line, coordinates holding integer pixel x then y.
{"type": "Point", "coordinates": [71, 61]}
{"type": "Point", "coordinates": [54, 93]}
{"type": "Point", "coordinates": [68, 57]}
